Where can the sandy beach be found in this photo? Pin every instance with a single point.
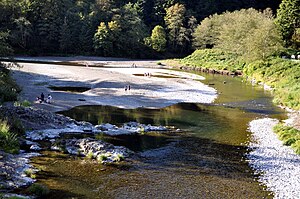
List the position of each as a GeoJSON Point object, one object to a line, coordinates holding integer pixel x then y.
{"type": "Point", "coordinates": [150, 85]}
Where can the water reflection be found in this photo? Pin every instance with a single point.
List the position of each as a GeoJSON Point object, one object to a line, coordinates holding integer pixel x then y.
{"type": "Point", "coordinates": [221, 124]}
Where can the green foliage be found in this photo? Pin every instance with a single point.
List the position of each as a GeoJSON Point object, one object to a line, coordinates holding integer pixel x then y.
{"type": "Point", "coordinates": [8, 140]}
{"type": "Point", "coordinates": [102, 42]}
{"type": "Point", "coordinates": [282, 75]}
{"type": "Point", "coordinates": [8, 87]}
{"type": "Point", "coordinates": [174, 20]}
{"type": "Point", "coordinates": [289, 136]}
{"type": "Point", "coordinates": [30, 173]}
{"type": "Point", "coordinates": [24, 103]}
{"type": "Point", "coordinates": [249, 34]}
{"type": "Point", "coordinates": [67, 26]}
{"type": "Point", "coordinates": [5, 48]}
{"type": "Point", "coordinates": [102, 158]}
{"type": "Point", "coordinates": [288, 19]}
{"type": "Point", "coordinates": [90, 155]}
{"type": "Point", "coordinates": [158, 39]}
{"type": "Point", "coordinates": [213, 59]}
{"type": "Point", "coordinates": [38, 190]}
{"type": "Point", "coordinates": [119, 158]}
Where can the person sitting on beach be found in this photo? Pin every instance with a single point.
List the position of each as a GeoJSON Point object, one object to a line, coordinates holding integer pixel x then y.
{"type": "Point", "coordinates": [38, 100]}
{"type": "Point", "coordinates": [49, 98]}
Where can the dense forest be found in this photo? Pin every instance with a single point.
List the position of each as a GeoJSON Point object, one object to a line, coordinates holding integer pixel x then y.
{"type": "Point", "coordinates": [138, 28]}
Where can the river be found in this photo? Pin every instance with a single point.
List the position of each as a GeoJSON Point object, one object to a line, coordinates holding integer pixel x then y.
{"type": "Point", "coordinates": [206, 160]}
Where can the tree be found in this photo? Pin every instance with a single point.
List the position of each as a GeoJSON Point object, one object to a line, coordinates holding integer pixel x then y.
{"type": "Point", "coordinates": [5, 49]}
{"type": "Point", "coordinates": [248, 34]}
{"type": "Point", "coordinates": [174, 20]}
{"type": "Point", "coordinates": [22, 32]}
{"type": "Point", "coordinates": [288, 19]}
{"type": "Point", "coordinates": [207, 32]}
{"type": "Point", "coordinates": [102, 43]}
{"type": "Point", "coordinates": [65, 38]}
{"type": "Point", "coordinates": [158, 39]}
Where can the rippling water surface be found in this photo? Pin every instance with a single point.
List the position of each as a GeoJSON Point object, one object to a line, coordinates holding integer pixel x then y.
{"type": "Point", "coordinates": [207, 160]}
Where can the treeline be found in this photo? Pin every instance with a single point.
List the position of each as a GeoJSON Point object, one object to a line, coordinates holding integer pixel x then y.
{"type": "Point", "coordinates": [138, 28]}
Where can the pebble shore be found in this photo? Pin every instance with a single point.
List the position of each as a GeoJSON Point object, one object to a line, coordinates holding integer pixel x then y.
{"type": "Point", "coordinates": [277, 165]}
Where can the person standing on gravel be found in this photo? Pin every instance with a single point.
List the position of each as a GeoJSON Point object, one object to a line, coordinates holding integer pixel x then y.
{"type": "Point", "coordinates": [42, 97]}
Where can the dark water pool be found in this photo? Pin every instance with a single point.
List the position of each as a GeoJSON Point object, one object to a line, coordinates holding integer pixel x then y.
{"type": "Point", "coordinates": [206, 161]}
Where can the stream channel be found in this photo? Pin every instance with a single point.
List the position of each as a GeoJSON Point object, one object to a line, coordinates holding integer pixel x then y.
{"type": "Point", "coordinates": [206, 160]}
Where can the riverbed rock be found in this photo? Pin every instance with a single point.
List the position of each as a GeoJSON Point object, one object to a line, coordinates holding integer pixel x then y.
{"type": "Point", "coordinates": [34, 119]}
{"type": "Point", "coordinates": [12, 170]}
{"type": "Point", "coordinates": [97, 149]}
{"type": "Point", "coordinates": [129, 129]}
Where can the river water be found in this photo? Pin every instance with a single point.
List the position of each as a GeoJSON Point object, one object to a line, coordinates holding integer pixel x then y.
{"type": "Point", "coordinates": [206, 160]}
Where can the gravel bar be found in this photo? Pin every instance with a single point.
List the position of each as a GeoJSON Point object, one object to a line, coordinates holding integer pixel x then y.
{"type": "Point", "coordinates": [277, 165]}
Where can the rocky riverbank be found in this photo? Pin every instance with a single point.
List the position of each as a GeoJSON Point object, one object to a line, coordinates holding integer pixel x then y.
{"type": "Point", "coordinates": [47, 127]}
{"type": "Point", "coordinates": [277, 165]}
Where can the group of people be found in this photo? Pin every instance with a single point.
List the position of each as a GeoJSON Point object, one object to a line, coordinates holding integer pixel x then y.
{"type": "Point", "coordinates": [147, 74]}
{"type": "Point", "coordinates": [41, 98]}
{"type": "Point", "coordinates": [127, 87]}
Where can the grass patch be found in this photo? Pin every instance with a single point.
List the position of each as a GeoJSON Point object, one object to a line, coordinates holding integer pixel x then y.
{"type": "Point", "coordinates": [90, 155]}
{"type": "Point", "coordinates": [102, 157]}
{"type": "Point", "coordinates": [119, 158]}
{"type": "Point", "coordinates": [8, 140]}
{"type": "Point", "coordinates": [30, 173]}
{"type": "Point", "coordinates": [290, 136]}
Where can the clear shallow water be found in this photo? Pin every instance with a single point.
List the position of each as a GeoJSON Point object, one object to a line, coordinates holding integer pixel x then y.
{"type": "Point", "coordinates": [206, 161]}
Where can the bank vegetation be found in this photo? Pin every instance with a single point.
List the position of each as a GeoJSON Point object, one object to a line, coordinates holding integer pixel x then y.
{"type": "Point", "coordinates": [259, 45]}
